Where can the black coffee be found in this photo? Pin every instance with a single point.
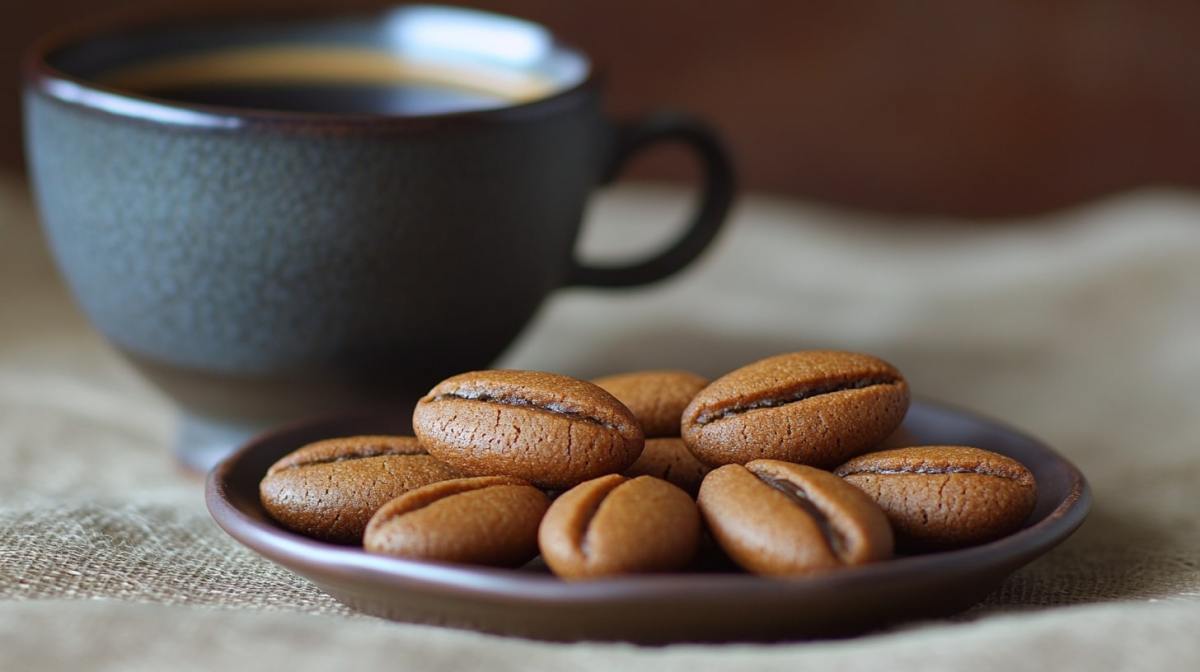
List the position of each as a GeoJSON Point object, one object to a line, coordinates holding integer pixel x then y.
{"type": "Point", "coordinates": [390, 99]}
{"type": "Point", "coordinates": [325, 79]}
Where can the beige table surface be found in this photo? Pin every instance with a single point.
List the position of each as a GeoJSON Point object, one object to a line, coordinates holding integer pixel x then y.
{"type": "Point", "coordinates": [1082, 327]}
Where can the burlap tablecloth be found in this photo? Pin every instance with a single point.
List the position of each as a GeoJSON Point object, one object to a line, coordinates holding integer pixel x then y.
{"type": "Point", "coordinates": [1082, 328]}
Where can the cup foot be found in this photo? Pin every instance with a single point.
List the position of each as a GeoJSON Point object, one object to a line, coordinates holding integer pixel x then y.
{"type": "Point", "coordinates": [200, 442]}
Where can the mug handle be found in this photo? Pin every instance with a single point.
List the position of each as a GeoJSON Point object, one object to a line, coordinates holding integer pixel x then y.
{"type": "Point", "coordinates": [715, 199]}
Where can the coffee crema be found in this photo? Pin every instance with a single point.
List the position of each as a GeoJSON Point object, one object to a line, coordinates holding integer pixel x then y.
{"type": "Point", "coordinates": [327, 79]}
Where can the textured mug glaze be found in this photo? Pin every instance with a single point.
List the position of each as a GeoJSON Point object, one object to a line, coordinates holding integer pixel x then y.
{"type": "Point", "coordinates": [260, 265]}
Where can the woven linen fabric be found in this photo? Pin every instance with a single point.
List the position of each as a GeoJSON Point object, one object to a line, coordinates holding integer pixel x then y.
{"type": "Point", "coordinates": [1081, 327]}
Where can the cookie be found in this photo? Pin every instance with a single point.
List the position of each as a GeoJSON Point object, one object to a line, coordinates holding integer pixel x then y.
{"type": "Point", "coordinates": [330, 489]}
{"type": "Point", "coordinates": [778, 518]}
{"type": "Point", "coordinates": [817, 408]}
{"type": "Point", "coordinates": [945, 496]}
{"type": "Point", "coordinates": [670, 460]}
{"type": "Point", "coordinates": [551, 430]}
{"type": "Point", "coordinates": [613, 525]}
{"type": "Point", "coordinates": [657, 398]}
{"type": "Point", "coordinates": [490, 520]}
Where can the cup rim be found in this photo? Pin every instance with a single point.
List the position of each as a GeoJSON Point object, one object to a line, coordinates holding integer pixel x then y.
{"type": "Point", "coordinates": [39, 76]}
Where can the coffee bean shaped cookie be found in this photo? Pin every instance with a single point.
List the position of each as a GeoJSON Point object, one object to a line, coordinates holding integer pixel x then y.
{"type": "Point", "coordinates": [657, 398]}
{"type": "Point", "coordinates": [552, 430]}
{"type": "Point", "coordinates": [615, 525]}
{"type": "Point", "coordinates": [817, 408]}
{"type": "Point", "coordinates": [945, 496]}
{"type": "Point", "coordinates": [670, 460]}
{"type": "Point", "coordinates": [778, 518]}
{"type": "Point", "coordinates": [330, 489]}
{"type": "Point", "coordinates": [489, 520]}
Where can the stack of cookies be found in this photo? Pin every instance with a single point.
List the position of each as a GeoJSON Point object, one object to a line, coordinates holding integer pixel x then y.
{"type": "Point", "coordinates": [628, 474]}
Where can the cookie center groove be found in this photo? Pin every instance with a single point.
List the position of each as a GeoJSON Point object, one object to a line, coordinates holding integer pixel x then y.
{"type": "Point", "coordinates": [793, 395]}
{"type": "Point", "coordinates": [342, 458]}
{"type": "Point", "coordinates": [981, 469]}
{"type": "Point", "coordinates": [835, 539]}
{"type": "Point", "coordinates": [521, 402]}
{"type": "Point", "coordinates": [426, 497]}
{"type": "Point", "coordinates": [588, 515]}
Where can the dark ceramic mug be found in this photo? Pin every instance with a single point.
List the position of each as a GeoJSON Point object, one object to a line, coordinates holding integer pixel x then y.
{"type": "Point", "coordinates": [260, 263]}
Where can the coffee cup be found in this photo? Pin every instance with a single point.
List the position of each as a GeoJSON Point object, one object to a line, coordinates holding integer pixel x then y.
{"type": "Point", "coordinates": [277, 216]}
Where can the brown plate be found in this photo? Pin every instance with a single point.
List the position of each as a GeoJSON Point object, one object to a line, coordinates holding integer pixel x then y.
{"type": "Point", "coordinates": [699, 606]}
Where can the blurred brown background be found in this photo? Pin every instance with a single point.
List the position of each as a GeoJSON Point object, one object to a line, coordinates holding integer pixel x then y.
{"type": "Point", "coordinates": [981, 108]}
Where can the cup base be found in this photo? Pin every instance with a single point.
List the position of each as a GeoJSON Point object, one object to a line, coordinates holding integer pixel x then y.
{"type": "Point", "coordinates": [201, 443]}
